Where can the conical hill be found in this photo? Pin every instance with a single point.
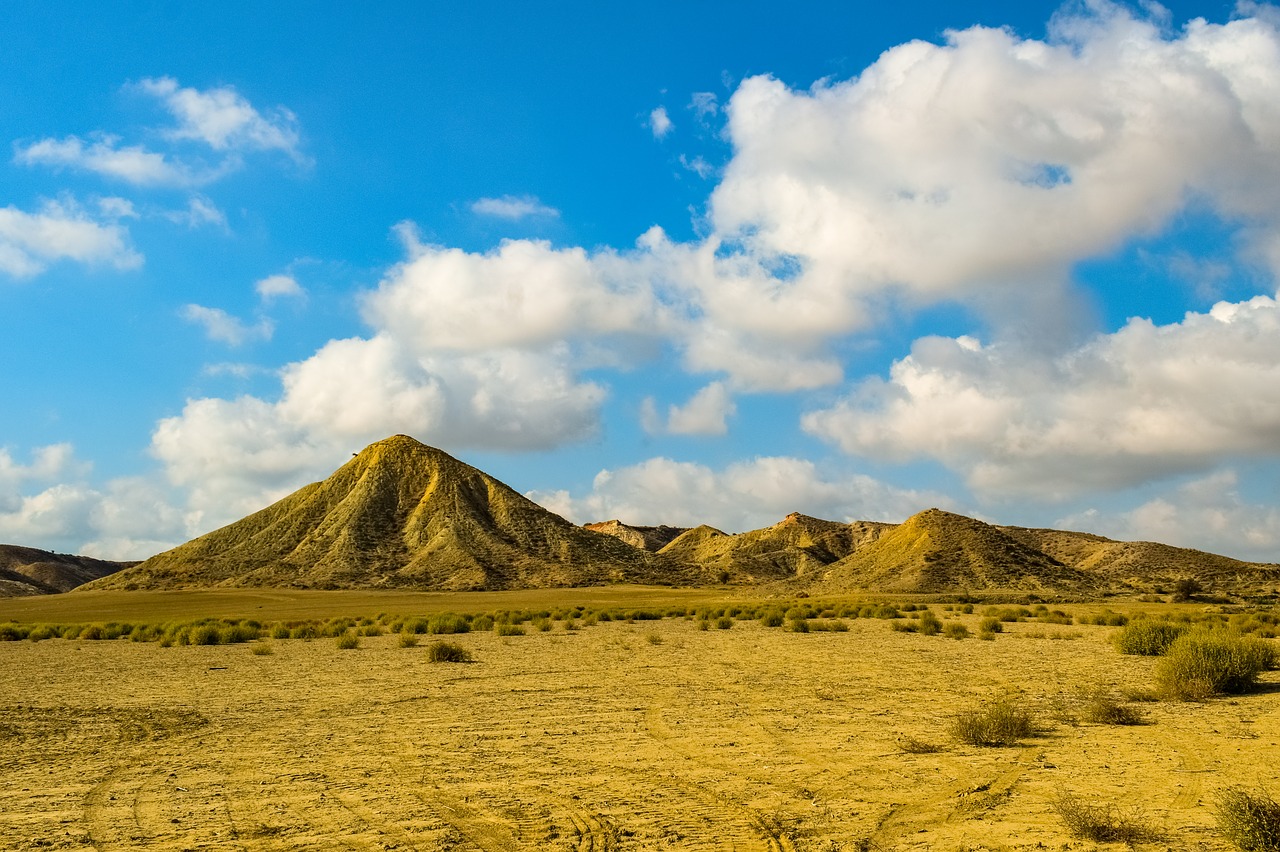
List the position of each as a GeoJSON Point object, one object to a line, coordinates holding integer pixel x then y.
{"type": "Point", "coordinates": [400, 515]}
{"type": "Point", "coordinates": [936, 551]}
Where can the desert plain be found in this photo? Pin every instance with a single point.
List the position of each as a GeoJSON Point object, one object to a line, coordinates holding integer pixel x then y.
{"type": "Point", "coordinates": [627, 735]}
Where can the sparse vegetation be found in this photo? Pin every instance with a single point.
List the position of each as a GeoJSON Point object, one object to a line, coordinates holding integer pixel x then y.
{"type": "Point", "coordinates": [912, 745]}
{"type": "Point", "coordinates": [955, 630]}
{"type": "Point", "coordinates": [448, 652]}
{"type": "Point", "coordinates": [1102, 709]}
{"type": "Point", "coordinates": [1100, 823]}
{"type": "Point", "coordinates": [348, 641]}
{"type": "Point", "coordinates": [1248, 819]}
{"type": "Point", "coordinates": [1002, 722]}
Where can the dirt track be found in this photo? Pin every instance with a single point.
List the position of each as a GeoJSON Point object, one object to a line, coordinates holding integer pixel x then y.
{"type": "Point", "coordinates": [618, 736]}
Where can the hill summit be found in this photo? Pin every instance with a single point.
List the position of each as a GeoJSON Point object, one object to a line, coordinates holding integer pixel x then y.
{"type": "Point", "coordinates": [400, 514]}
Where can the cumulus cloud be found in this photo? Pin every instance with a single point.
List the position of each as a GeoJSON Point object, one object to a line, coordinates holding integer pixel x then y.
{"type": "Point", "coordinates": [223, 327]}
{"type": "Point", "coordinates": [513, 207]}
{"type": "Point", "coordinates": [61, 230]}
{"type": "Point", "coordinates": [706, 413]}
{"type": "Point", "coordinates": [992, 164]}
{"type": "Point", "coordinates": [742, 496]}
{"type": "Point", "coordinates": [1207, 513]}
{"type": "Point", "coordinates": [660, 123]}
{"type": "Point", "coordinates": [1144, 402]}
{"type": "Point", "coordinates": [48, 503]}
{"type": "Point", "coordinates": [279, 286]}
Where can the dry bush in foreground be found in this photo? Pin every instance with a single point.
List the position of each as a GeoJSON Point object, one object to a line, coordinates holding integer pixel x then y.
{"type": "Point", "coordinates": [448, 652]}
{"type": "Point", "coordinates": [1249, 820]}
{"type": "Point", "coordinates": [1101, 709]}
{"type": "Point", "coordinates": [1001, 723]}
{"type": "Point", "coordinates": [1100, 823]}
{"type": "Point", "coordinates": [1205, 663]}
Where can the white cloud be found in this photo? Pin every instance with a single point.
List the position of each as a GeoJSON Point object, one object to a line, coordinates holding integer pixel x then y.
{"type": "Point", "coordinates": [1125, 408]}
{"type": "Point", "coordinates": [524, 294]}
{"type": "Point", "coordinates": [223, 327]}
{"type": "Point", "coordinates": [742, 496]}
{"type": "Point", "coordinates": [279, 286]}
{"type": "Point", "coordinates": [60, 230]}
{"type": "Point", "coordinates": [1207, 514]}
{"type": "Point", "coordinates": [223, 119]}
{"type": "Point", "coordinates": [105, 155]}
{"type": "Point", "coordinates": [513, 207]}
{"type": "Point", "coordinates": [200, 212]}
{"type": "Point", "coordinates": [705, 413]}
{"type": "Point", "coordinates": [983, 169]}
{"type": "Point", "coordinates": [704, 105]}
{"type": "Point", "coordinates": [660, 123]}
{"type": "Point", "coordinates": [697, 165]}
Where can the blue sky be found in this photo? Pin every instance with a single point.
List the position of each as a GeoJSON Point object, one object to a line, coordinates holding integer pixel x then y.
{"type": "Point", "coordinates": [672, 264]}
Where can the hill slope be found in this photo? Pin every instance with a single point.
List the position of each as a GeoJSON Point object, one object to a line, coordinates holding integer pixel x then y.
{"type": "Point", "coordinates": [652, 539]}
{"type": "Point", "coordinates": [29, 571]}
{"type": "Point", "coordinates": [400, 514]}
{"type": "Point", "coordinates": [796, 546]}
{"type": "Point", "coordinates": [1146, 565]}
{"type": "Point", "coordinates": [937, 551]}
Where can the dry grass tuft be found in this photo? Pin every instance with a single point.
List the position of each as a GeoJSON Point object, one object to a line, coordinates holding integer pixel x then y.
{"type": "Point", "coordinates": [1003, 722]}
{"type": "Point", "coordinates": [1251, 821]}
{"type": "Point", "coordinates": [1100, 823]}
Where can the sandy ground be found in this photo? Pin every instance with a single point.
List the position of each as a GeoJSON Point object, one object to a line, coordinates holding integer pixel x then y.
{"type": "Point", "coordinates": [652, 735]}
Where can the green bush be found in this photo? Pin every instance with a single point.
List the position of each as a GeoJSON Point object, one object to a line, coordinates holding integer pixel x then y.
{"type": "Point", "coordinates": [1003, 722]}
{"type": "Point", "coordinates": [206, 634]}
{"type": "Point", "coordinates": [991, 624]}
{"type": "Point", "coordinates": [773, 618]}
{"type": "Point", "coordinates": [1251, 821]}
{"type": "Point", "coordinates": [448, 652]}
{"type": "Point", "coordinates": [505, 628]}
{"type": "Point", "coordinates": [1148, 638]}
{"type": "Point", "coordinates": [448, 623]}
{"type": "Point", "coordinates": [1204, 663]}
{"type": "Point", "coordinates": [348, 641]}
{"type": "Point", "coordinates": [955, 630]}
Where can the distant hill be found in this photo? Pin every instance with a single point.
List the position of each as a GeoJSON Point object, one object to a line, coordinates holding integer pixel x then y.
{"type": "Point", "coordinates": [1146, 565]}
{"type": "Point", "coordinates": [28, 571]}
{"type": "Point", "coordinates": [652, 539]}
{"type": "Point", "coordinates": [401, 514]}
{"type": "Point", "coordinates": [797, 546]}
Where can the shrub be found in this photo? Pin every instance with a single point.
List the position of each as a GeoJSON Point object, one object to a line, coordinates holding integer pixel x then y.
{"type": "Point", "coordinates": [1099, 823]}
{"type": "Point", "coordinates": [653, 638]}
{"type": "Point", "coordinates": [448, 623]}
{"type": "Point", "coordinates": [261, 651]}
{"type": "Point", "coordinates": [724, 622]}
{"type": "Point", "coordinates": [206, 634]}
{"type": "Point", "coordinates": [955, 630]}
{"type": "Point", "coordinates": [348, 641]}
{"type": "Point", "coordinates": [234, 634]}
{"type": "Point", "coordinates": [504, 628]}
{"type": "Point", "coordinates": [482, 623]}
{"type": "Point", "coordinates": [1148, 638]}
{"type": "Point", "coordinates": [911, 745]}
{"type": "Point", "coordinates": [408, 640]}
{"type": "Point", "coordinates": [1101, 709]}
{"type": "Point", "coordinates": [1204, 663]}
{"type": "Point", "coordinates": [1001, 723]}
{"type": "Point", "coordinates": [304, 631]}
{"type": "Point", "coordinates": [448, 652]}
{"type": "Point", "coordinates": [929, 623]}
{"type": "Point", "coordinates": [991, 624]}
{"type": "Point", "coordinates": [280, 631]}
{"type": "Point", "coordinates": [1249, 820]}
{"type": "Point", "coordinates": [772, 618]}
{"type": "Point", "coordinates": [1185, 589]}
{"type": "Point", "coordinates": [41, 632]}
{"type": "Point", "coordinates": [798, 625]}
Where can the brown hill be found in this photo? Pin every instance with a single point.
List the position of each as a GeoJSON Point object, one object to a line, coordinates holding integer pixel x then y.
{"type": "Point", "coordinates": [936, 551]}
{"type": "Point", "coordinates": [1145, 565]}
{"type": "Point", "coordinates": [400, 514]}
{"type": "Point", "coordinates": [796, 546]}
{"type": "Point", "coordinates": [29, 571]}
{"type": "Point", "coordinates": [652, 539]}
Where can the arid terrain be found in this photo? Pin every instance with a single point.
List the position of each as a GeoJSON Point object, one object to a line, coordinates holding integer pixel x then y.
{"type": "Point", "coordinates": [643, 735]}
